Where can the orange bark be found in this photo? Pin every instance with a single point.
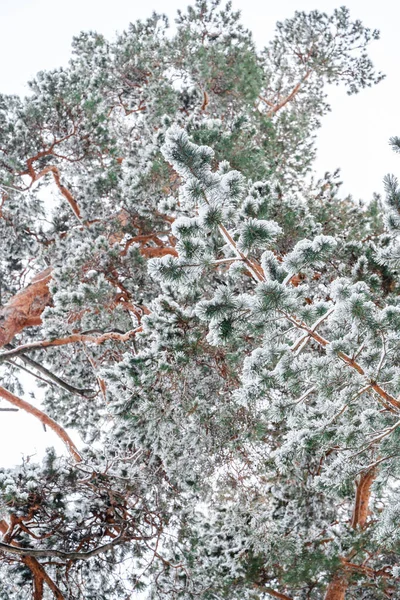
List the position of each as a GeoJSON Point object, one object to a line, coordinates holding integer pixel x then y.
{"type": "Point", "coordinates": [339, 584]}
{"type": "Point", "coordinates": [39, 574]}
{"type": "Point", "coordinates": [157, 252]}
{"type": "Point", "coordinates": [363, 495]}
{"type": "Point", "coordinates": [337, 587]}
{"type": "Point", "coordinates": [64, 191]}
{"type": "Point", "coordinates": [273, 593]}
{"type": "Point", "coordinates": [54, 170]}
{"type": "Point", "coordinates": [25, 308]}
{"type": "Point", "coordinates": [277, 107]}
{"type": "Point", "coordinates": [206, 100]}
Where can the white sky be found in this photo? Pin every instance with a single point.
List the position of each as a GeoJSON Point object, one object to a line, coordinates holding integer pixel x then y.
{"type": "Point", "coordinates": [36, 35]}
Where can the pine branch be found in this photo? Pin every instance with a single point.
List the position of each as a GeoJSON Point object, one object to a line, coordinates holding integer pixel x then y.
{"type": "Point", "coordinates": [54, 379]}
{"type": "Point", "coordinates": [274, 108]}
{"type": "Point", "coordinates": [386, 399]}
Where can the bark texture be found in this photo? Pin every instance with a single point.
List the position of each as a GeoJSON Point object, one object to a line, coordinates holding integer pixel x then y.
{"type": "Point", "coordinates": [25, 308]}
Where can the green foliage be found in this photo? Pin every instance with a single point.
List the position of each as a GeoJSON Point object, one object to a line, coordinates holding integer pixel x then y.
{"type": "Point", "coordinates": [221, 332]}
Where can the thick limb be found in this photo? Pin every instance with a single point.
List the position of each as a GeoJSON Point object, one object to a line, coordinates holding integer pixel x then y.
{"type": "Point", "coordinates": [25, 308]}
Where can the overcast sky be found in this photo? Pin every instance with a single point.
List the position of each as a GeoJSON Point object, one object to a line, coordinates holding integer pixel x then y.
{"type": "Point", "coordinates": [36, 35]}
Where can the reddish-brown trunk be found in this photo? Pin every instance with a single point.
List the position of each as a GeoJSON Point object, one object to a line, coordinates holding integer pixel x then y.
{"type": "Point", "coordinates": [25, 308]}
{"type": "Point", "coordinates": [363, 494]}
{"type": "Point", "coordinates": [339, 584]}
{"type": "Point", "coordinates": [337, 588]}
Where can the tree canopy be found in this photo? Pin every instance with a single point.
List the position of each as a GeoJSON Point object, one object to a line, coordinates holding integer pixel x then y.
{"type": "Point", "coordinates": [219, 324]}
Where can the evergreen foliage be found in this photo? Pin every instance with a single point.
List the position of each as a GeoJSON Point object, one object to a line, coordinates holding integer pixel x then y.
{"type": "Point", "coordinates": [221, 329]}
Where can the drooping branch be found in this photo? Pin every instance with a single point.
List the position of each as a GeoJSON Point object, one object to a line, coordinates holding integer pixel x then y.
{"type": "Point", "coordinates": [43, 418]}
{"type": "Point", "coordinates": [51, 377]}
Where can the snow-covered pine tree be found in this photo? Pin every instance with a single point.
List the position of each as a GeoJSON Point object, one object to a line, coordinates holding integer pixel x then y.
{"type": "Point", "coordinates": [221, 330]}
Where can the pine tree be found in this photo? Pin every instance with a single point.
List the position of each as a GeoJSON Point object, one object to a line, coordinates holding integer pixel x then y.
{"type": "Point", "coordinates": [220, 328]}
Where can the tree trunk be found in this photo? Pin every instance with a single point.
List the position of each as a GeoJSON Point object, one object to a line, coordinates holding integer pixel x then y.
{"type": "Point", "coordinates": [337, 588]}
